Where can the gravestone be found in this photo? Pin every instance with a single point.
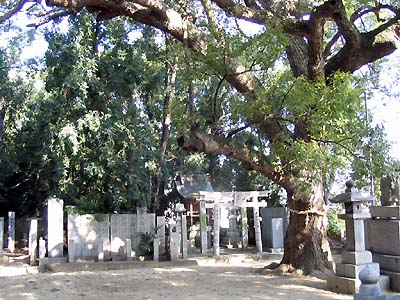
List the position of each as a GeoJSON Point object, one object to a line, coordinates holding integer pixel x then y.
{"type": "Point", "coordinates": [33, 240]}
{"type": "Point", "coordinates": [1, 235]}
{"type": "Point", "coordinates": [274, 226]}
{"type": "Point", "coordinates": [55, 227]}
{"type": "Point", "coordinates": [11, 231]}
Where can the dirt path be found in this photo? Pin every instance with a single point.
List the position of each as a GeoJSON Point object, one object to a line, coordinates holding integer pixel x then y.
{"type": "Point", "coordinates": [222, 282]}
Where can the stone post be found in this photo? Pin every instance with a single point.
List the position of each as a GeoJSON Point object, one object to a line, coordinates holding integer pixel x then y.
{"type": "Point", "coordinates": [203, 227]}
{"type": "Point", "coordinates": [55, 227]}
{"type": "Point", "coordinates": [156, 248]}
{"type": "Point", "coordinates": [184, 241]}
{"type": "Point", "coordinates": [174, 245]}
{"type": "Point", "coordinates": [245, 228]}
{"type": "Point", "coordinates": [33, 238]}
{"type": "Point", "coordinates": [257, 226]}
{"type": "Point", "coordinates": [42, 254]}
{"type": "Point", "coordinates": [1, 235]}
{"type": "Point", "coordinates": [71, 251]}
{"type": "Point", "coordinates": [216, 228]}
{"type": "Point", "coordinates": [128, 249]}
{"type": "Point", "coordinates": [161, 234]}
{"type": "Point", "coordinates": [11, 231]}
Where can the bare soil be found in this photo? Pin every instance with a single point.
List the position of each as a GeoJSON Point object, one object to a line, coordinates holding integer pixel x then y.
{"type": "Point", "coordinates": [242, 280]}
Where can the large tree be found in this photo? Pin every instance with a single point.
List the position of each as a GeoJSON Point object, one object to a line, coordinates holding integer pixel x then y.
{"type": "Point", "coordinates": [303, 118]}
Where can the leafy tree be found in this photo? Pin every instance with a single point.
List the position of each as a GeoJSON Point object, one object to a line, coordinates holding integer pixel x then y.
{"type": "Point", "coordinates": [290, 83]}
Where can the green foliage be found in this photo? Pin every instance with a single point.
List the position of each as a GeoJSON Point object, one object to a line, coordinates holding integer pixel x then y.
{"type": "Point", "coordinates": [146, 243]}
{"type": "Point", "coordinates": [335, 225]}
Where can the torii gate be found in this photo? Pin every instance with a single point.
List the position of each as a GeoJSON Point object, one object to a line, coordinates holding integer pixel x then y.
{"type": "Point", "coordinates": [240, 200]}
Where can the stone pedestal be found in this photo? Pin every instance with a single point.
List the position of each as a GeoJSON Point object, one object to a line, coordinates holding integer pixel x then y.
{"type": "Point", "coordinates": [383, 240]}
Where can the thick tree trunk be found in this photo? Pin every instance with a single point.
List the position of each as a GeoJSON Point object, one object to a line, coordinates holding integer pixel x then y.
{"type": "Point", "coordinates": [306, 245]}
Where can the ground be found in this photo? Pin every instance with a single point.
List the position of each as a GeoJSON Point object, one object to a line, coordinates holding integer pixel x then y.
{"type": "Point", "coordinates": [236, 280]}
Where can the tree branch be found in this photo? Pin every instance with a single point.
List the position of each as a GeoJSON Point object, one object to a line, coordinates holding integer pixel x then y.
{"type": "Point", "coordinates": [51, 18]}
{"type": "Point", "coordinates": [13, 11]}
{"type": "Point", "coordinates": [250, 159]}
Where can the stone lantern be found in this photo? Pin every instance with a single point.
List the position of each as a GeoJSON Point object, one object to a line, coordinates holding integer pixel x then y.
{"type": "Point", "coordinates": [354, 257]}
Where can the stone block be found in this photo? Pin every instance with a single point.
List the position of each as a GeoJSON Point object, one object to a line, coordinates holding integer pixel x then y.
{"type": "Point", "coordinates": [387, 262]}
{"type": "Point", "coordinates": [343, 284]}
{"type": "Point", "coordinates": [356, 257]}
{"type": "Point", "coordinates": [352, 271]}
{"type": "Point", "coordinates": [385, 212]}
{"type": "Point", "coordinates": [394, 280]}
{"type": "Point", "coordinates": [383, 236]}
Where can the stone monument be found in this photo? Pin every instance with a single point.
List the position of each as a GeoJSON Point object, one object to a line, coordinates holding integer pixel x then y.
{"type": "Point", "coordinates": [55, 227]}
{"type": "Point", "coordinates": [355, 257]}
{"type": "Point", "coordinates": [383, 232]}
{"type": "Point", "coordinates": [33, 241]}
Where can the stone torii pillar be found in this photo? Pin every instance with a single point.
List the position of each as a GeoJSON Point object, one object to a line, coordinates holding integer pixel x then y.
{"type": "Point", "coordinates": [203, 227]}
{"type": "Point", "coordinates": [216, 228]}
{"type": "Point", "coordinates": [257, 225]}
